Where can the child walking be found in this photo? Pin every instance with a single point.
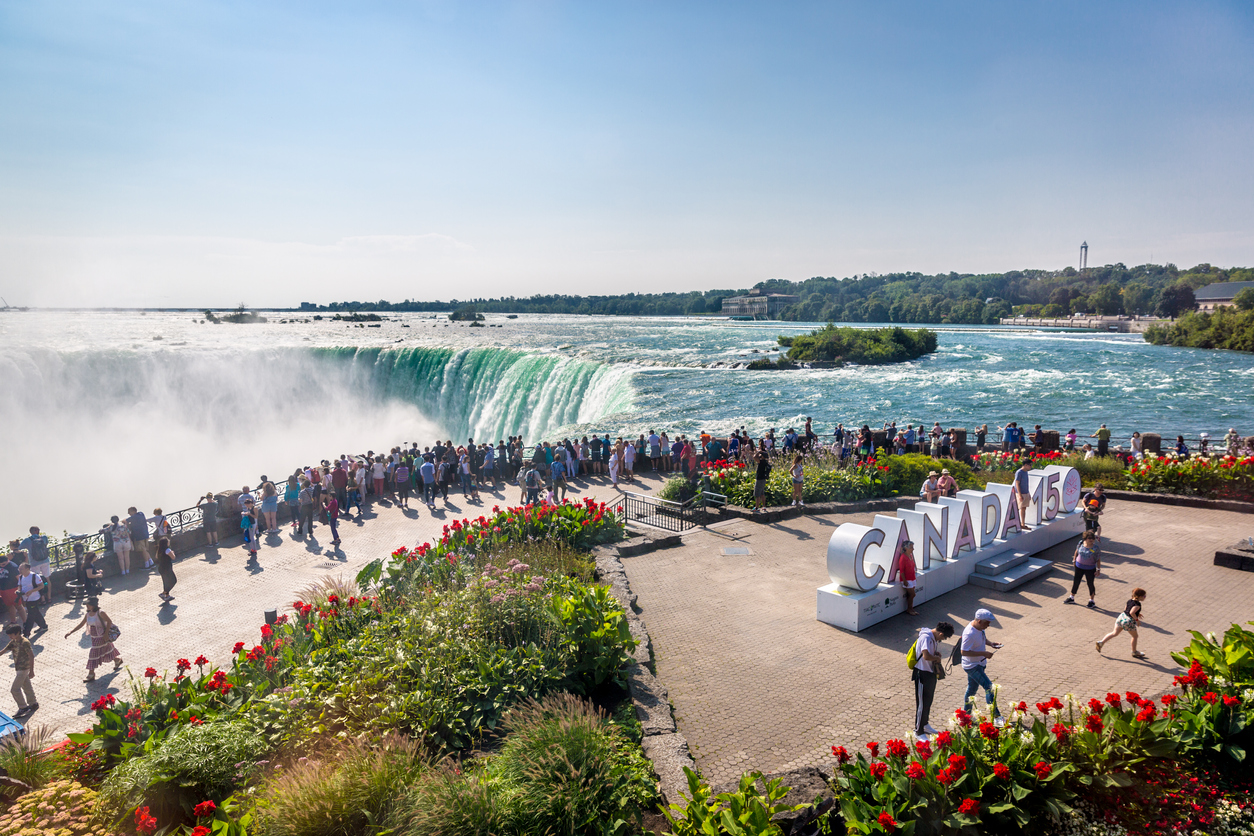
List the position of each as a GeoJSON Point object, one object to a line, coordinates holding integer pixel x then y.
{"type": "Point", "coordinates": [1127, 620]}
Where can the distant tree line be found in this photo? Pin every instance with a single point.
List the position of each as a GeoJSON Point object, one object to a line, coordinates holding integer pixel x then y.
{"type": "Point", "coordinates": [953, 298]}
{"type": "Point", "coordinates": [1230, 327]}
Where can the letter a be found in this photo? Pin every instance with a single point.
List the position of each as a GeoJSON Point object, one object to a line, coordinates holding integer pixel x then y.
{"type": "Point", "coordinates": [1012, 521]}
{"type": "Point", "coordinates": [966, 533]}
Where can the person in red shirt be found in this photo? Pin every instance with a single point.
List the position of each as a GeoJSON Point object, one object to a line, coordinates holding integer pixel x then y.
{"type": "Point", "coordinates": [908, 573]}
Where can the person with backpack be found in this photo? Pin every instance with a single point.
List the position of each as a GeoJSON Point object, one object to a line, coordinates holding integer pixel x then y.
{"type": "Point", "coordinates": [926, 667]}
{"type": "Point", "coordinates": [533, 483]}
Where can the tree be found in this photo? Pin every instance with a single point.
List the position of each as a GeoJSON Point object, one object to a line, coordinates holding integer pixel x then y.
{"type": "Point", "coordinates": [1138, 298]}
{"type": "Point", "coordinates": [1175, 300]}
{"type": "Point", "coordinates": [1106, 300]}
{"type": "Point", "coordinates": [1244, 300]}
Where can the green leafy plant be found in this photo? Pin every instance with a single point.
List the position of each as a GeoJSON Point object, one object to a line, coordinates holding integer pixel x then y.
{"type": "Point", "coordinates": [745, 812]}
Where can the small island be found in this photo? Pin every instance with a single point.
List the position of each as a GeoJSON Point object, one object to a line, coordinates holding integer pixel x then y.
{"type": "Point", "coordinates": [832, 346]}
{"type": "Point", "coordinates": [241, 316]}
{"type": "Point", "coordinates": [466, 313]}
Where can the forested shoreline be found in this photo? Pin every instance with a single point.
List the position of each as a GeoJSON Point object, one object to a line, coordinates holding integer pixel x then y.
{"type": "Point", "coordinates": [943, 298]}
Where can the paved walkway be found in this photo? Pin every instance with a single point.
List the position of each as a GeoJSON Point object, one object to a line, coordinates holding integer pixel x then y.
{"type": "Point", "coordinates": [758, 683]}
{"type": "Point", "coordinates": [220, 599]}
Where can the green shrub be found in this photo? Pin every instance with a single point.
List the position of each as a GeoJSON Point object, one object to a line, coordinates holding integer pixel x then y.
{"type": "Point", "coordinates": [906, 474]}
{"type": "Point", "coordinates": [61, 808]}
{"type": "Point", "coordinates": [25, 757]}
{"type": "Point", "coordinates": [193, 764]}
{"type": "Point", "coordinates": [352, 792]}
{"type": "Point", "coordinates": [450, 802]}
{"type": "Point", "coordinates": [569, 770]}
{"type": "Point", "coordinates": [677, 489]}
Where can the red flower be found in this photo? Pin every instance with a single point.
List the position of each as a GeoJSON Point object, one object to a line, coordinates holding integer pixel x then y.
{"type": "Point", "coordinates": [878, 770]}
{"type": "Point", "coordinates": [1169, 699]}
{"type": "Point", "coordinates": [183, 665]}
{"type": "Point", "coordinates": [841, 754]}
{"type": "Point", "coordinates": [204, 808]}
{"type": "Point", "coordinates": [969, 807]}
{"type": "Point", "coordinates": [915, 771]}
{"type": "Point", "coordinates": [1210, 697]}
{"type": "Point", "coordinates": [200, 830]}
{"type": "Point", "coordinates": [1115, 700]}
{"type": "Point", "coordinates": [1095, 705]}
{"type": "Point", "coordinates": [1145, 714]}
{"type": "Point", "coordinates": [1022, 706]}
{"type": "Point", "coordinates": [1062, 732]}
{"type": "Point", "coordinates": [195, 721]}
{"type": "Point", "coordinates": [963, 717]}
{"type": "Point", "coordinates": [1094, 724]}
{"type": "Point", "coordinates": [923, 748]}
{"type": "Point", "coordinates": [988, 730]}
{"type": "Point", "coordinates": [267, 632]}
{"type": "Point", "coordinates": [957, 763]}
{"type": "Point", "coordinates": [1231, 701]}
{"type": "Point", "coordinates": [898, 749]}
{"type": "Point", "coordinates": [944, 740]}
{"type": "Point", "coordinates": [1043, 768]}
{"type": "Point", "coordinates": [201, 661]}
{"type": "Point", "coordinates": [1001, 771]}
{"type": "Point", "coordinates": [144, 823]}
{"type": "Point", "coordinates": [947, 775]}
{"type": "Point", "coordinates": [150, 673]}
{"type": "Point", "coordinates": [1133, 697]}
{"type": "Point", "coordinates": [875, 749]}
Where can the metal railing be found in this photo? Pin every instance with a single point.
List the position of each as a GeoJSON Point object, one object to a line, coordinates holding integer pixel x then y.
{"type": "Point", "coordinates": [61, 552]}
{"type": "Point", "coordinates": [663, 513]}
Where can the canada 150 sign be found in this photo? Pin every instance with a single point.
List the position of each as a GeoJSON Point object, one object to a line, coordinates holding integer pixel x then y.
{"type": "Point", "coordinates": [950, 536]}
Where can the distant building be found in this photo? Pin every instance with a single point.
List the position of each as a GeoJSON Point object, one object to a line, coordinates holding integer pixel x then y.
{"type": "Point", "coordinates": [758, 304]}
{"type": "Point", "coordinates": [1213, 295]}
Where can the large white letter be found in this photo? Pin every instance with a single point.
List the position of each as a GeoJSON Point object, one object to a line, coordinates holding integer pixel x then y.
{"type": "Point", "coordinates": [846, 553]}
{"type": "Point", "coordinates": [929, 529]}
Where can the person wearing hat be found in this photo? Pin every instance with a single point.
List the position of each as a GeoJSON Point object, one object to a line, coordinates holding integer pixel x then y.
{"type": "Point", "coordinates": [931, 490]}
{"type": "Point", "coordinates": [975, 656]}
{"type": "Point", "coordinates": [946, 483]}
{"type": "Point", "coordinates": [906, 568]}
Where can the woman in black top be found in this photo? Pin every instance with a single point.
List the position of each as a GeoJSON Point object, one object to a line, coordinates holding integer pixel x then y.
{"type": "Point", "coordinates": [980, 435]}
{"type": "Point", "coordinates": [759, 485]}
{"type": "Point", "coordinates": [1128, 620]}
{"type": "Point", "coordinates": [165, 567]}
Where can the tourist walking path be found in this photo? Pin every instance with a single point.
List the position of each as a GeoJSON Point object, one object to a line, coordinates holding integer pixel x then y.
{"type": "Point", "coordinates": [221, 599]}
{"type": "Point", "coordinates": [758, 683]}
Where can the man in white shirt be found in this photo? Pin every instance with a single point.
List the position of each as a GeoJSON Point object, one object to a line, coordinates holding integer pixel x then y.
{"type": "Point", "coordinates": [924, 674]}
{"type": "Point", "coordinates": [975, 656]}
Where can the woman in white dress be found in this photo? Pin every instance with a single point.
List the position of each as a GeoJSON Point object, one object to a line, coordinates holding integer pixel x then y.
{"type": "Point", "coordinates": [615, 463]}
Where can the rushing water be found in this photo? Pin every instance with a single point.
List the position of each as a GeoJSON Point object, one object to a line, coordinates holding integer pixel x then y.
{"type": "Point", "coordinates": [99, 414]}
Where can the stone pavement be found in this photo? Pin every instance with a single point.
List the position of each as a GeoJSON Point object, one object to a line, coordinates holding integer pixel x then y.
{"type": "Point", "coordinates": [220, 599]}
{"type": "Point", "coordinates": [758, 683]}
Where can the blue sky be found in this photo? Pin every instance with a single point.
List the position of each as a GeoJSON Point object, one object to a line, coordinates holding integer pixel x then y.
{"type": "Point", "coordinates": [206, 154]}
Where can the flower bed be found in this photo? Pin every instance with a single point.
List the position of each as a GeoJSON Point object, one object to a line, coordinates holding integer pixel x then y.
{"type": "Point", "coordinates": [1226, 477]}
{"type": "Point", "coordinates": [1122, 763]}
{"type": "Point", "coordinates": [430, 650]}
{"type": "Point", "coordinates": [823, 481]}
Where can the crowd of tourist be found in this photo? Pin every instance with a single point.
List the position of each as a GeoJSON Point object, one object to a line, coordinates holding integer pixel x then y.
{"type": "Point", "coordinates": [335, 489]}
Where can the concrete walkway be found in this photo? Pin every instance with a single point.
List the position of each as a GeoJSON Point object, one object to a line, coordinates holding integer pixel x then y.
{"type": "Point", "coordinates": [221, 599]}
{"type": "Point", "coordinates": [758, 683]}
